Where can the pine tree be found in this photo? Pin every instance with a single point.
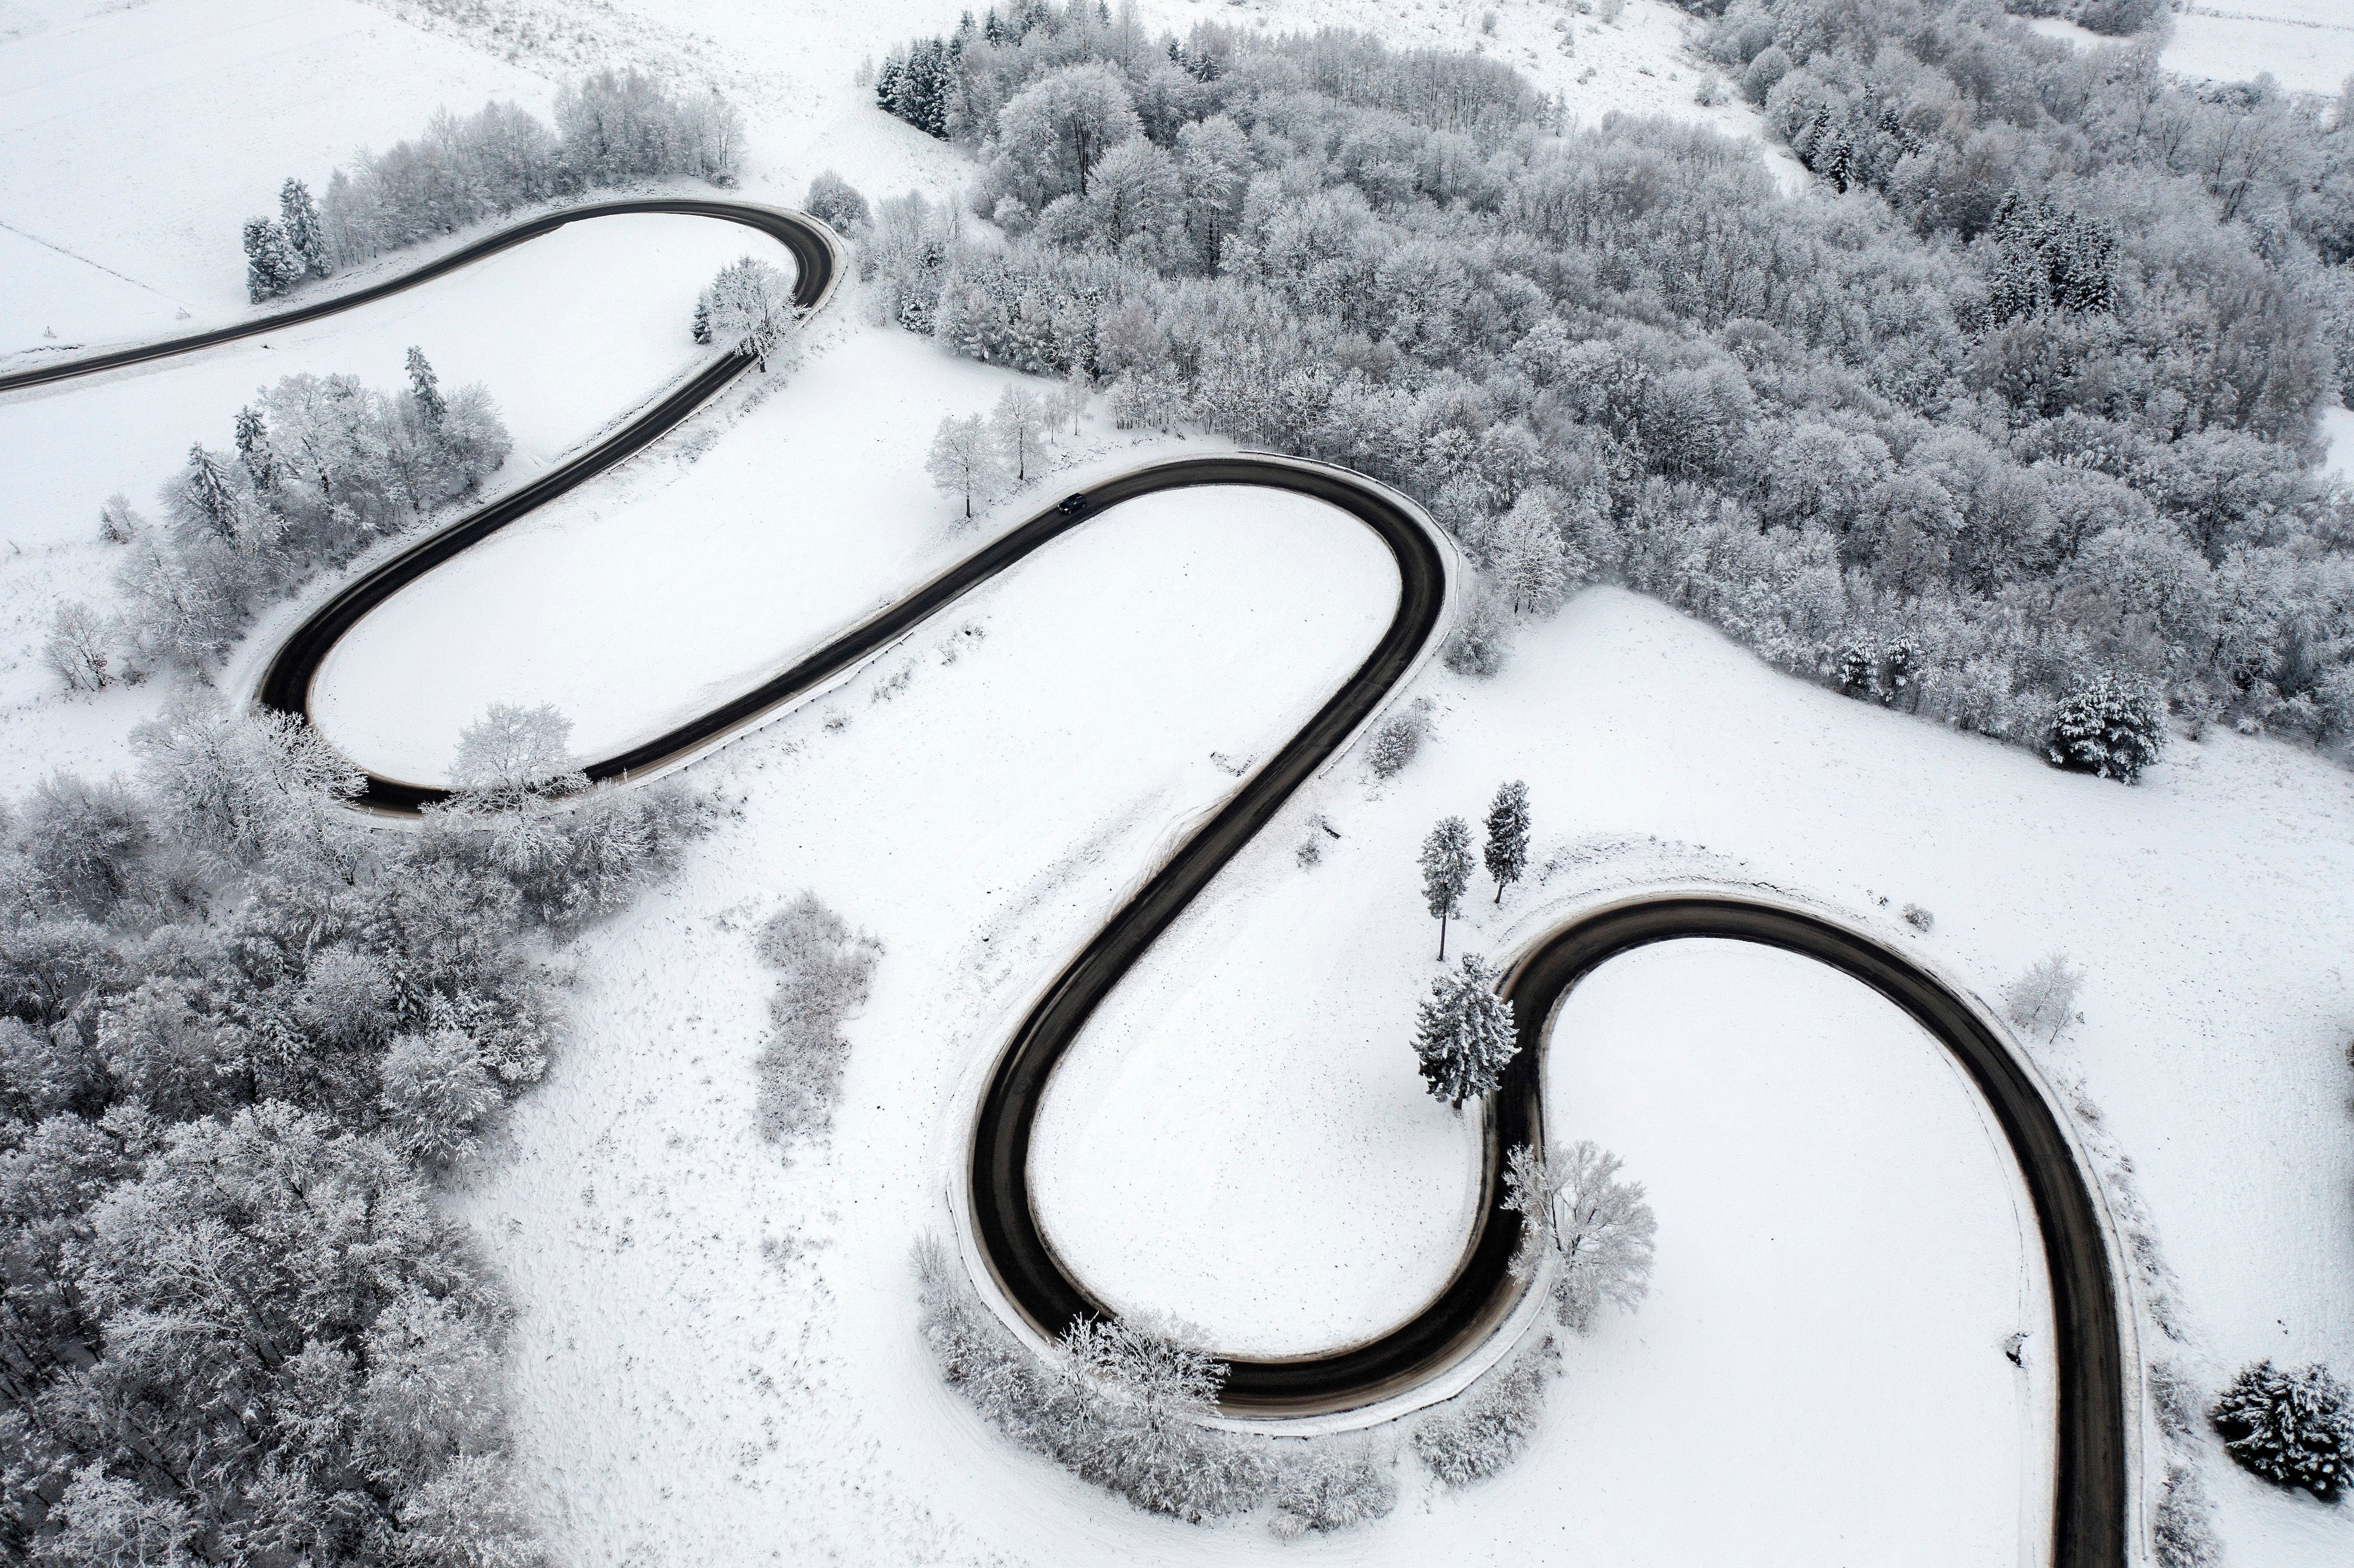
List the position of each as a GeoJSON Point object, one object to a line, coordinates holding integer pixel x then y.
{"type": "Point", "coordinates": [253, 446]}
{"type": "Point", "coordinates": [702, 329]}
{"type": "Point", "coordinates": [1445, 873]}
{"type": "Point", "coordinates": [1463, 1035]}
{"type": "Point", "coordinates": [306, 236]}
{"type": "Point", "coordinates": [271, 267]}
{"type": "Point", "coordinates": [2108, 727]}
{"type": "Point", "coordinates": [426, 388]}
{"type": "Point", "coordinates": [2294, 1429]}
{"type": "Point", "coordinates": [212, 493]}
{"type": "Point", "coordinates": [1507, 853]}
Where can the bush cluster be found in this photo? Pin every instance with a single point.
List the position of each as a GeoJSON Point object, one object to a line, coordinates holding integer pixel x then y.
{"type": "Point", "coordinates": [826, 973]}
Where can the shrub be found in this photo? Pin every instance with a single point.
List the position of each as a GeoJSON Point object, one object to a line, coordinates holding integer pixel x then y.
{"type": "Point", "coordinates": [1333, 1490]}
{"type": "Point", "coordinates": [2292, 1428]}
{"type": "Point", "coordinates": [1486, 1428]}
{"type": "Point", "coordinates": [2109, 728]}
{"type": "Point", "coordinates": [836, 202]}
{"type": "Point", "coordinates": [1398, 740]}
{"type": "Point", "coordinates": [1482, 640]}
{"type": "Point", "coordinates": [827, 972]}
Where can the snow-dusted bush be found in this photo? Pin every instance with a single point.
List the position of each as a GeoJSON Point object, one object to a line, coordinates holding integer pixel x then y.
{"type": "Point", "coordinates": [1396, 740]}
{"type": "Point", "coordinates": [1918, 918]}
{"type": "Point", "coordinates": [2109, 728]}
{"type": "Point", "coordinates": [2182, 1528]}
{"type": "Point", "coordinates": [2294, 1429]}
{"type": "Point", "coordinates": [1595, 1232]}
{"type": "Point", "coordinates": [827, 971]}
{"type": "Point", "coordinates": [1482, 640]}
{"type": "Point", "coordinates": [1333, 1488]}
{"type": "Point", "coordinates": [2043, 1000]}
{"type": "Point", "coordinates": [836, 202]}
{"type": "Point", "coordinates": [1481, 1431]}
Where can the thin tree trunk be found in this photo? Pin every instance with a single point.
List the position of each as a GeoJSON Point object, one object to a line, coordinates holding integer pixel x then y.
{"type": "Point", "coordinates": [1442, 938]}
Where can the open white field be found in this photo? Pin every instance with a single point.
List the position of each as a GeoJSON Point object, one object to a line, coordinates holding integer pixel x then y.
{"type": "Point", "coordinates": [657, 593]}
{"type": "Point", "coordinates": [134, 140]}
{"type": "Point", "coordinates": [2307, 45]}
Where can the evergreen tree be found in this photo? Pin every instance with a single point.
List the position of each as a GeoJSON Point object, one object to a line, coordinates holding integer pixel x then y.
{"type": "Point", "coordinates": [426, 388]}
{"type": "Point", "coordinates": [271, 266]}
{"type": "Point", "coordinates": [701, 328]}
{"type": "Point", "coordinates": [253, 446]}
{"type": "Point", "coordinates": [212, 492]}
{"type": "Point", "coordinates": [1507, 835]}
{"type": "Point", "coordinates": [2109, 728]}
{"type": "Point", "coordinates": [2294, 1429]}
{"type": "Point", "coordinates": [1445, 873]}
{"type": "Point", "coordinates": [1463, 1034]}
{"type": "Point", "coordinates": [306, 236]}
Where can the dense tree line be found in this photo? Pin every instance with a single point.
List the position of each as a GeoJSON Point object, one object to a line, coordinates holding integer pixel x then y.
{"type": "Point", "coordinates": [239, 1036]}
{"type": "Point", "coordinates": [612, 128]}
{"type": "Point", "coordinates": [318, 469]}
{"type": "Point", "coordinates": [2019, 425]}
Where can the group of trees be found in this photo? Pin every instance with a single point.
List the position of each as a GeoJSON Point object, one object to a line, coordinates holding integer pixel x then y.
{"type": "Point", "coordinates": [612, 128]}
{"type": "Point", "coordinates": [319, 468]}
{"type": "Point", "coordinates": [975, 460]}
{"type": "Point", "coordinates": [1464, 1035]}
{"type": "Point", "coordinates": [748, 308]}
{"type": "Point", "coordinates": [2017, 435]}
{"type": "Point", "coordinates": [240, 1033]}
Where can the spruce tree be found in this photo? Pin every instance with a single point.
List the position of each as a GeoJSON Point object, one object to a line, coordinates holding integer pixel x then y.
{"type": "Point", "coordinates": [297, 216]}
{"type": "Point", "coordinates": [2110, 727]}
{"type": "Point", "coordinates": [1463, 1035]}
{"type": "Point", "coordinates": [1507, 835]}
{"type": "Point", "coordinates": [271, 265]}
{"type": "Point", "coordinates": [2294, 1429]}
{"type": "Point", "coordinates": [426, 388]}
{"type": "Point", "coordinates": [212, 492]}
{"type": "Point", "coordinates": [1445, 873]}
{"type": "Point", "coordinates": [253, 446]}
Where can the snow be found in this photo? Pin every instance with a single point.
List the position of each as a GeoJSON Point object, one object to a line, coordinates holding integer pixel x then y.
{"type": "Point", "coordinates": [139, 137]}
{"type": "Point", "coordinates": [568, 332]}
{"type": "Point", "coordinates": [2307, 45]}
{"type": "Point", "coordinates": [687, 580]}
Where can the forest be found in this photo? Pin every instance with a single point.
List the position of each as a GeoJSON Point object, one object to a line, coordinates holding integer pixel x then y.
{"type": "Point", "coordinates": [2011, 424]}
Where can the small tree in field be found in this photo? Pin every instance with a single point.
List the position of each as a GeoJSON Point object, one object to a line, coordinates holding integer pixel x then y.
{"type": "Point", "coordinates": [2043, 1000]}
{"type": "Point", "coordinates": [1463, 1035]}
{"type": "Point", "coordinates": [1507, 835]}
{"type": "Point", "coordinates": [2294, 1429]}
{"type": "Point", "coordinates": [1573, 1206]}
{"type": "Point", "coordinates": [964, 463]}
{"type": "Point", "coordinates": [1445, 873]}
{"type": "Point", "coordinates": [748, 308]}
{"type": "Point", "coordinates": [2108, 727]}
{"type": "Point", "coordinates": [1019, 423]}
{"type": "Point", "coordinates": [513, 754]}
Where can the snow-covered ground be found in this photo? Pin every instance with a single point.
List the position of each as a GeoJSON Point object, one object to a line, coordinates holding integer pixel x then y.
{"type": "Point", "coordinates": [682, 581]}
{"type": "Point", "coordinates": [567, 332]}
{"type": "Point", "coordinates": [136, 139]}
{"type": "Point", "coordinates": [2307, 45]}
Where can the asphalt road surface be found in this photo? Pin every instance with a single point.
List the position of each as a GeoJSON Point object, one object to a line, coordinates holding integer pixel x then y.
{"type": "Point", "coordinates": [2091, 1506]}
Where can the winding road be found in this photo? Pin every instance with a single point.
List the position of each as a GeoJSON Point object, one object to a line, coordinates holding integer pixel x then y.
{"type": "Point", "coordinates": [2092, 1512]}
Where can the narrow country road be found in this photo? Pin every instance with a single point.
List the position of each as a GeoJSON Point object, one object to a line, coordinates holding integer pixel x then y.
{"type": "Point", "coordinates": [2093, 1511]}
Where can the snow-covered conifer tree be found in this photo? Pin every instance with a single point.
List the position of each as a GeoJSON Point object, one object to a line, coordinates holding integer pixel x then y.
{"type": "Point", "coordinates": [1506, 853]}
{"type": "Point", "coordinates": [1463, 1034]}
{"type": "Point", "coordinates": [306, 236]}
{"type": "Point", "coordinates": [211, 493]}
{"type": "Point", "coordinates": [1445, 873]}
{"type": "Point", "coordinates": [964, 463]}
{"type": "Point", "coordinates": [1599, 1228]}
{"type": "Point", "coordinates": [2294, 1429]}
{"type": "Point", "coordinates": [253, 447]}
{"type": "Point", "coordinates": [2110, 727]}
{"type": "Point", "coordinates": [271, 265]}
{"type": "Point", "coordinates": [425, 388]}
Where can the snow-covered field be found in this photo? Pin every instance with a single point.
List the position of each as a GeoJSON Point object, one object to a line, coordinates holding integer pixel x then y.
{"type": "Point", "coordinates": [2307, 45]}
{"type": "Point", "coordinates": [716, 1359]}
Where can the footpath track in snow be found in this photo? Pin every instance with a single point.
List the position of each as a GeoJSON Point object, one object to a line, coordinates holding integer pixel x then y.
{"type": "Point", "coordinates": [2093, 1507]}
